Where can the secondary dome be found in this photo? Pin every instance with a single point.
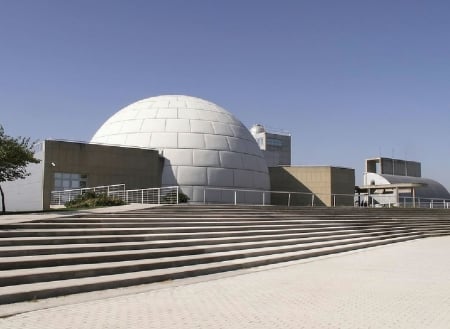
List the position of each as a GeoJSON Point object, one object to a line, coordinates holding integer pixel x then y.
{"type": "Point", "coordinates": [204, 146]}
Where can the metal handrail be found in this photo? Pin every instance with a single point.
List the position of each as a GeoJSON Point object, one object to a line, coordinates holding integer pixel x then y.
{"type": "Point", "coordinates": [155, 195]}
{"type": "Point", "coordinates": [313, 197]}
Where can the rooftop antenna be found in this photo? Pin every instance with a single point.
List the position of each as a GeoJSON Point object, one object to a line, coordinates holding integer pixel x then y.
{"type": "Point", "coordinates": [393, 162]}
{"type": "Point", "coordinates": [406, 162]}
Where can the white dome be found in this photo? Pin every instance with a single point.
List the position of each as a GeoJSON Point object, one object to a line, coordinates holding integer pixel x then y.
{"type": "Point", "coordinates": [203, 144]}
{"type": "Point", "coordinates": [257, 129]}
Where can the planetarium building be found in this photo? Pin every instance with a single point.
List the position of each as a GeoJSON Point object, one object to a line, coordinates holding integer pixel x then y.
{"type": "Point", "coordinates": [204, 147]}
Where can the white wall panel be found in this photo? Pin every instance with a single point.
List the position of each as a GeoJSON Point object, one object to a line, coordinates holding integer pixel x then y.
{"type": "Point", "coordinates": [201, 126]}
{"type": "Point", "coordinates": [139, 139]}
{"type": "Point", "coordinates": [178, 125]}
{"type": "Point", "coordinates": [220, 177]}
{"type": "Point", "coordinates": [167, 113]}
{"type": "Point", "coordinates": [237, 145]}
{"type": "Point", "coordinates": [206, 158]}
{"type": "Point", "coordinates": [154, 125]}
{"type": "Point", "coordinates": [192, 176]}
{"type": "Point", "coordinates": [131, 126]}
{"type": "Point", "coordinates": [178, 157]}
{"type": "Point", "coordinates": [222, 129]}
{"type": "Point", "coordinates": [164, 140]}
{"type": "Point", "coordinates": [117, 139]}
{"type": "Point", "coordinates": [191, 141]}
{"type": "Point", "coordinates": [243, 178]}
{"type": "Point", "coordinates": [230, 159]}
{"type": "Point", "coordinates": [216, 142]}
{"type": "Point", "coordinates": [147, 113]}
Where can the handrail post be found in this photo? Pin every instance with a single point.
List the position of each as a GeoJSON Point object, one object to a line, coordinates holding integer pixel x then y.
{"type": "Point", "coordinates": [177, 194]}
{"type": "Point", "coordinates": [235, 197]}
{"type": "Point", "coordinates": [334, 200]}
{"type": "Point", "coordinates": [264, 199]}
{"type": "Point", "coordinates": [312, 200]}
{"type": "Point", "coordinates": [289, 199]}
{"type": "Point", "coordinates": [159, 195]}
{"type": "Point", "coordinates": [204, 195]}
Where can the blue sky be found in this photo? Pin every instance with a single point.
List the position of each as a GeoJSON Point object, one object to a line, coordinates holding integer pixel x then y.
{"type": "Point", "coordinates": [349, 79]}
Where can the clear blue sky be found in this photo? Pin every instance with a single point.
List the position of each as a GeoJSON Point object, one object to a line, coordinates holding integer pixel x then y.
{"type": "Point", "coordinates": [349, 79]}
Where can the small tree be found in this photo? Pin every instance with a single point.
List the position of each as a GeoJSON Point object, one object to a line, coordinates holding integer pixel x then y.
{"type": "Point", "coordinates": [15, 155]}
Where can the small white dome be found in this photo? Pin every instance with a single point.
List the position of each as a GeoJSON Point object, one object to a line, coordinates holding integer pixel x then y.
{"type": "Point", "coordinates": [257, 128]}
{"type": "Point", "coordinates": [203, 144]}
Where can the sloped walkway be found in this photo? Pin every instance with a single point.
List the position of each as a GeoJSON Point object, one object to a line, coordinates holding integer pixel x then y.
{"type": "Point", "coordinates": [403, 285]}
{"type": "Point", "coordinates": [27, 217]}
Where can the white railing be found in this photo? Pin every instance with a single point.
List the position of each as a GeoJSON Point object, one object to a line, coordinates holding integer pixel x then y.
{"type": "Point", "coordinates": [285, 198]}
{"type": "Point", "coordinates": [59, 198]}
{"type": "Point", "coordinates": [157, 195]}
{"type": "Point", "coordinates": [410, 202]}
{"type": "Point", "coordinates": [171, 195]}
{"type": "Point", "coordinates": [391, 200]}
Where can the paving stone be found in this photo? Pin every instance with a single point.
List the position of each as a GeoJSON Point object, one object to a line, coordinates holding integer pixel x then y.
{"type": "Point", "coordinates": [404, 285]}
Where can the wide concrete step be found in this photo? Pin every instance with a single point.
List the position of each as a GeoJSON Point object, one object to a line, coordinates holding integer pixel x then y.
{"type": "Point", "coordinates": [24, 231]}
{"type": "Point", "coordinates": [111, 223]}
{"type": "Point", "coordinates": [48, 249]}
{"type": "Point", "coordinates": [101, 236]}
{"type": "Point", "coordinates": [26, 262]}
{"type": "Point", "coordinates": [133, 230]}
{"type": "Point", "coordinates": [181, 269]}
{"type": "Point", "coordinates": [87, 252]}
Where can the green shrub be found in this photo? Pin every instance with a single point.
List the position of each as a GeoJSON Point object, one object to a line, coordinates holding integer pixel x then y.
{"type": "Point", "coordinates": [92, 199]}
{"type": "Point", "coordinates": [171, 197]}
{"type": "Point", "coordinates": [182, 198]}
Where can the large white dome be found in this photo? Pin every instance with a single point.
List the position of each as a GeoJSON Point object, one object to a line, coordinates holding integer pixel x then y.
{"type": "Point", "coordinates": [203, 144]}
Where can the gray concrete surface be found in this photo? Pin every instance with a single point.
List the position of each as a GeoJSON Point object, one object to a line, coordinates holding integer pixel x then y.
{"type": "Point", "coordinates": [27, 217]}
{"type": "Point", "coordinates": [404, 285]}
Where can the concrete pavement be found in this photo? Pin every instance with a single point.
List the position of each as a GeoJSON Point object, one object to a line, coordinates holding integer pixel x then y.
{"type": "Point", "coordinates": [404, 285]}
{"type": "Point", "coordinates": [28, 217]}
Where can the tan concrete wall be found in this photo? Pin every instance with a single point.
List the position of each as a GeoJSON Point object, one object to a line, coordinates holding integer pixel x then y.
{"type": "Point", "coordinates": [322, 181]}
{"type": "Point", "coordinates": [104, 165]}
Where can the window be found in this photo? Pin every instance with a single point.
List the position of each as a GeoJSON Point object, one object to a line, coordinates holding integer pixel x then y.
{"type": "Point", "coordinates": [274, 142]}
{"type": "Point", "coordinates": [69, 181]}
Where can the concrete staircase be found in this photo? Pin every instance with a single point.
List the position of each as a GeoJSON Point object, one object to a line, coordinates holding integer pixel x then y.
{"type": "Point", "coordinates": [67, 255]}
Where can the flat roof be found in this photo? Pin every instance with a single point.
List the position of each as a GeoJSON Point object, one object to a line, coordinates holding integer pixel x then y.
{"type": "Point", "coordinates": [390, 186]}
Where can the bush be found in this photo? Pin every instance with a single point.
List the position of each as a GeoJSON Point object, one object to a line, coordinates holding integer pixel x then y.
{"type": "Point", "coordinates": [92, 199]}
{"type": "Point", "coordinates": [171, 197]}
{"type": "Point", "coordinates": [182, 198]}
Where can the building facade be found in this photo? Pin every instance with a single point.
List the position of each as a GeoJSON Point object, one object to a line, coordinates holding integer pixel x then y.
{"type": "Point", "coordinates": [389, 181]}
{"type": "Point", "coordinates": [315, 185]}
{"type": "Point", "coordinates": [72, 165]}
{"type": "Point", "coordinates": [275, 146]}
{"type": "Point", "coordinates": [205, 148]}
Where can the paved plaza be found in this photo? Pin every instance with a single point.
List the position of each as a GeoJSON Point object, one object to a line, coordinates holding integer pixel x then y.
{"type": "Point", "coordinates": [404, 285]}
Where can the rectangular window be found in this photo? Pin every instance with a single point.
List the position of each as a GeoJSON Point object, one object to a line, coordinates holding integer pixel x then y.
{"type": "Point", "coordinates": [274, 142]}
{"type": "Point", "coordinates": [69, 181]}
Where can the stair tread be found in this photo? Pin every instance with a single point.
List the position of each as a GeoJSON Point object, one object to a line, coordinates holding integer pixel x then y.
{"type": "Point", "coordinates": [35, 287]}
{"type": "Point", "coordinates": [158, 243]}
{"type": "Point", "coordinates": [210, 255]}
